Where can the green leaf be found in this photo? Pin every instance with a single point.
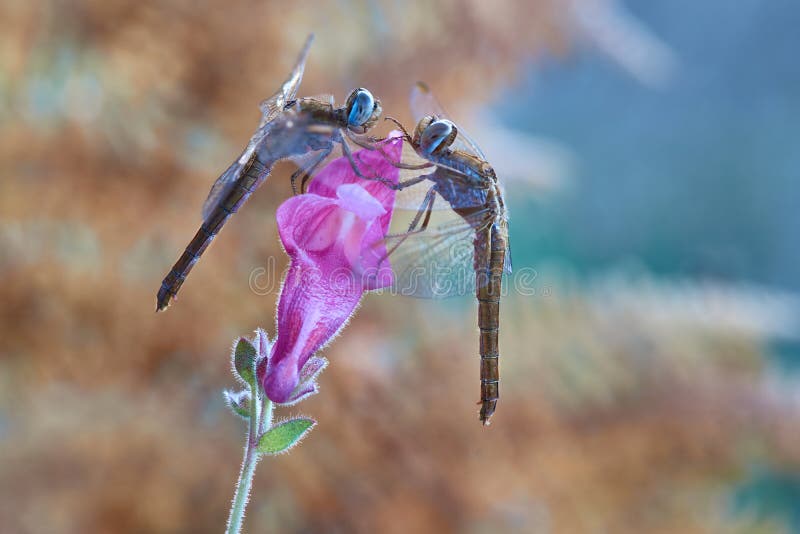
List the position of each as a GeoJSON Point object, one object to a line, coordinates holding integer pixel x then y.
{"type": "Point", "coordinates": [238, 402]}
{"type": "Point", "coordinates": [284, 436]}
{"type": "Point", "coordinates": [244, 356]}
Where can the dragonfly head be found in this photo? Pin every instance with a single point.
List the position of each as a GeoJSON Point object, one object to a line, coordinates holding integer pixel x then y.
{"type": "Point", "coordinates": [363, 110]}
{"type": "Point", "coordinates": [433, 135]}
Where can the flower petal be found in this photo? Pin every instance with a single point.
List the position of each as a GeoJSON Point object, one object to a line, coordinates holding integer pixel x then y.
{"type": "Point", "coordinates": [313, 367]}
{"type": "Point", "coordinates": [353, 197]}
{"type": "Point", "coordinates": [330, 233]}
{"type": "Point", "coordinates": [309, 317]}
{"type": "Point", "coordinates": [301, 392]}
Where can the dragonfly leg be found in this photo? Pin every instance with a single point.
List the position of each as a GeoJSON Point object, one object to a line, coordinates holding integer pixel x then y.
{"type": "Point", "coordinates": [349, 154]}
{"type": "Point", "coordinates": [425, 209]}
{"type": "Point", "coordinates": [411, 181]}
{"type": "Point", "coordinates": [430, 197]}
{"type": "Point", "coordinates": [397, 123]}
{"type": "Point", "coordinates": [369, 145]}
{"type": "Point", "coordinates": [399, 186]}
{"type": "Point", "coordinates": [375, 146]}
{"type": "Point", "coordinates": [400, 164]}
{"type": "Point", "coordinates": [307, 171]}
{"type": "Point", "coordinates": [406, 166]}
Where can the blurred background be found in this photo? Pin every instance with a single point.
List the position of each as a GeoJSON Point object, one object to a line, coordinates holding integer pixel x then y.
{"type": "Point", "coordinates": [649, 152]}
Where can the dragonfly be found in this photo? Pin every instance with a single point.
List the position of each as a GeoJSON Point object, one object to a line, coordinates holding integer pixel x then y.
{"type": "Point", "coordinates": [304, 130]}
{"type": "Point", "coordinates": [468, 248]}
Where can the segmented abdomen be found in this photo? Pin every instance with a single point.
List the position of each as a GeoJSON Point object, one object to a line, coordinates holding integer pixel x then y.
{"type": "Point", "coordinates": [488, 294]}
{"type": "Point", "coordinates": [252, 177]}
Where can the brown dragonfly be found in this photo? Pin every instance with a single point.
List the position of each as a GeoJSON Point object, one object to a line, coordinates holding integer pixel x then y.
{"type": "Point", "coordinates": [465, 251]}
{"type": "Point", "coordinates": [303, 130]}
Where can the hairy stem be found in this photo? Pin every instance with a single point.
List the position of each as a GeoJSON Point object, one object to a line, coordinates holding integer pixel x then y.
{"type": "Point", "coordinates": [259, 421]}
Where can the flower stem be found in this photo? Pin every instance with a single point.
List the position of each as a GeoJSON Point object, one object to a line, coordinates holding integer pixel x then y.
{"type": "Point", "coordinates": [266, 416]}
{"type": "Point", "coordinates": [259, 421]}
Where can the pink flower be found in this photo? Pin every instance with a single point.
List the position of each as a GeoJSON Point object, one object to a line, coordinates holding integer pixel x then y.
{"type": "Point", "coordinates": [330, 235]}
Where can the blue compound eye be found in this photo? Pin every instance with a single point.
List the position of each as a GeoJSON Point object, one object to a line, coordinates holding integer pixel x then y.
{"type": "Point", "coordinates": [361, 108]}
{"type": "Point", "coordinates": [434, 134]}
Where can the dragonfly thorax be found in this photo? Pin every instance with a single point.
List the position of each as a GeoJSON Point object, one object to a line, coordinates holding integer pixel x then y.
{"type": "Point", "coordinates": [433, 136]}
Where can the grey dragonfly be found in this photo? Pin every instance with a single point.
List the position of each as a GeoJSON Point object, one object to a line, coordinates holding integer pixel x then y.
{"type": "Point", "coordinates": [456, 241]}
{"type": "Point", "coordinates": [304, 130]}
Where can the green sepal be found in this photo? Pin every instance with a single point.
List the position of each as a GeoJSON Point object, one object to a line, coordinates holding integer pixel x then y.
{"type": "Point", "coordinates": [238, 402]}
{"type": "Point", "coordinates": [283, 436]}
{"type": "Point", "coordinates": [244, 357]}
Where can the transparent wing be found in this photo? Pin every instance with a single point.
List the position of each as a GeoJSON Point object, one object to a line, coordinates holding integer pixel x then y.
{"type": "Point", "coordinates": [411, 197]}
{"type": "Point", "coordinates": [438, 262]}
{"type": "Point", "coordinates": [423, 103]}
{"type": "Point", "coordinates": [291, 135]}
{"type": "Point", "coordinates": [507, 265]}
{"type": "Point", "coordinates": [272, 106]}
{"type": "Point", "coordinates": [313, 161]}
{"type": "Point", "coordinates": [435, 265]}
{"type": "Point", "coordinates": [222, 187]}
{"type": "Point", "coordinates": [228, 179]}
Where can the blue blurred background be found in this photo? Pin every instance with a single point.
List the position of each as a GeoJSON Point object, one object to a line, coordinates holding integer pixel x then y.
{"type": "Point", "coordinates": [695, 177]}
